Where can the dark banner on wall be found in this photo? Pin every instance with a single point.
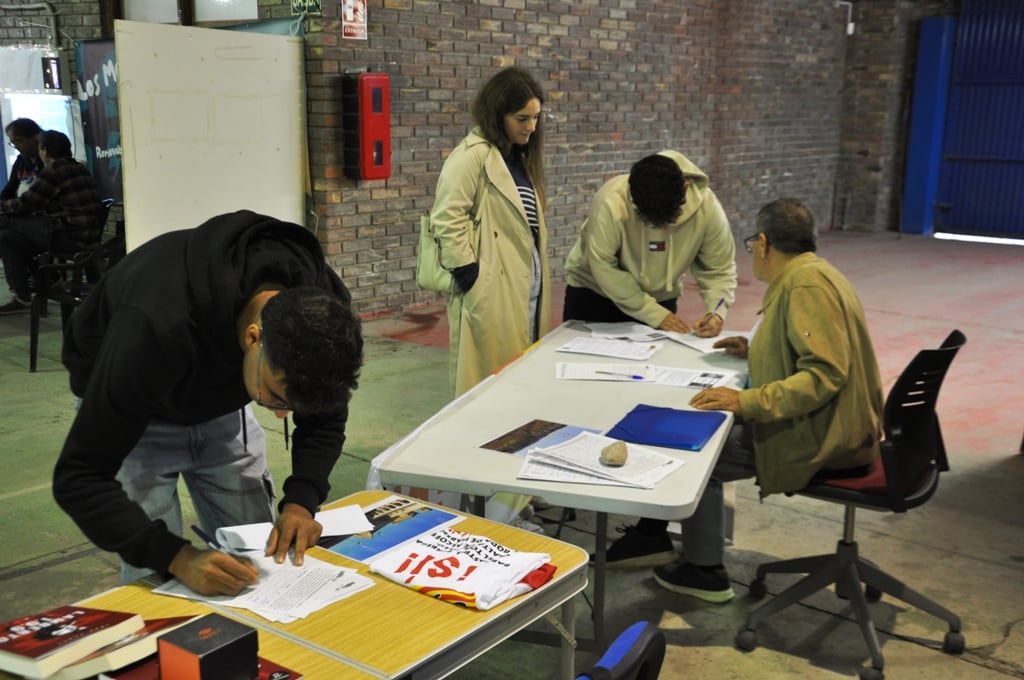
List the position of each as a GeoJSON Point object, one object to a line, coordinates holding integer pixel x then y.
{"type": "Point", "coordinates": [97, 94]}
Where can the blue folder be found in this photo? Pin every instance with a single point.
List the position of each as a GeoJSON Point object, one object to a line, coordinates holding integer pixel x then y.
{"type": "Point", "coordinates": [668, 427]}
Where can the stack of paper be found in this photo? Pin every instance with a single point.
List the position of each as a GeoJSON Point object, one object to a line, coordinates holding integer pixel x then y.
{"type": "Point", "coordinates": [579, 460]}
{"type": "Point", "coordinates": [285, 592]}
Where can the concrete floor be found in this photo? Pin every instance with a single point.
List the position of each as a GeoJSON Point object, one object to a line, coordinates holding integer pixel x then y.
{"type": "Point", "coordinates": [964, 548]}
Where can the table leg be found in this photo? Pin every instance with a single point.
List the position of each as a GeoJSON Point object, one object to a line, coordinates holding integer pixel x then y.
{"type": "Point", "coordinates": [568, 646]}
{"type": "Point", "coordinates": [600, 552]}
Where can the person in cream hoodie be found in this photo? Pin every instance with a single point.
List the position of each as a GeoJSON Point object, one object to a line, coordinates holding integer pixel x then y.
{"type": "Point", "coordinates": [645, 230]}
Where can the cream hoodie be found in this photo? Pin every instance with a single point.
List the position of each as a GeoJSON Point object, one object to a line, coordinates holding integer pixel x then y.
{"type": "Point", "coordinates": [636, 265]}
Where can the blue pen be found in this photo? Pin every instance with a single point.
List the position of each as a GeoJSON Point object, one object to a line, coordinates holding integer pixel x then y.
{"type": "Point", "coordinates": [210, 541]}
{"type": "Point", "coordinates": [721, 301]}
{"type": "Point", "coordinates": [621, 375]}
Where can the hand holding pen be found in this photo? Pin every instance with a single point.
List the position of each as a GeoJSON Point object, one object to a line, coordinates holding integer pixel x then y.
{"type": "Point", "coordinates": [711, 324]}
{"type": "Point", "coordinates": [214, 571]}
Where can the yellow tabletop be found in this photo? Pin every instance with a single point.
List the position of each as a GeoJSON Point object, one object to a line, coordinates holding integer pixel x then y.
{"type": "Point", "coordinates": [388, 630]}
{"type": "Point", "coordinates": [391, 628]}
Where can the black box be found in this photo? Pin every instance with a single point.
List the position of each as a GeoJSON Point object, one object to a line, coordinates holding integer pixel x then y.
{"type": "Point", "coordinates": [210, 648]}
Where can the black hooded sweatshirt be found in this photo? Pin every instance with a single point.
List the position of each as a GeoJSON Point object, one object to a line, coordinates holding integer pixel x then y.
{"type": "Point", "coordinates": [158, 339]}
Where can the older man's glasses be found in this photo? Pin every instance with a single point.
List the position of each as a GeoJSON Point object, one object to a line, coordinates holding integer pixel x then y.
{"type": "Point", "coordinates": [276, 404]}
{"type": "Point", "coordinates": [748, 242]}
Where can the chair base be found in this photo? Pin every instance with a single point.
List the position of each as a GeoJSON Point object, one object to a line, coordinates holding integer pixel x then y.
{"type": "Point", "coordinates": [848, 571]}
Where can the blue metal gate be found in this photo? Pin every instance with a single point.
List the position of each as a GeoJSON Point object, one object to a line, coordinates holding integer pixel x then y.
{"type": "Point", "coordinates": [981, 174]}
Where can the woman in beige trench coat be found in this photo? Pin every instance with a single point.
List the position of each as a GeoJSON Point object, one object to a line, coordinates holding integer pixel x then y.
{"type": "Point", "coordinates": [488, 218]}
{"type": "Point", "coordinates": [491, 232]}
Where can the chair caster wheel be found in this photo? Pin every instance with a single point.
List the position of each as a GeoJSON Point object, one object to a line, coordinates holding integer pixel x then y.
{"type": "Point", "coordinates": [746, 640]}
{"type": "Point", "coordinates": [953, 643]}
{"type": "Point", "coordinates": [758, 588]}
{"type": "Point", "coordinates": [872, 594]}
{"type": "Point", "coordinates": [870, 674]}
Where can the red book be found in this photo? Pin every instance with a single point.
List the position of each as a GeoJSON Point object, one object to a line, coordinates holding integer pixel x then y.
{"type": "Point", "coordinates": [129, 649]}
{"type": "Point", "coordinates": [149, 669]}
{"type": "Point", "coordinates": [39, 645]}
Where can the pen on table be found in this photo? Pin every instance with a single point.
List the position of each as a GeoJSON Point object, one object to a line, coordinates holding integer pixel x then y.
{"type": "Point", "coordinates": [631, 376]}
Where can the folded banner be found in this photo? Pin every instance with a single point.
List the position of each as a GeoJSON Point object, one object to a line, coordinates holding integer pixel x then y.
{"type": "Point", "coordinates": [464, 568]}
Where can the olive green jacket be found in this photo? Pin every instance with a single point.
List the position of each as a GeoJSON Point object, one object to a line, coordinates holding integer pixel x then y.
{"type": "Point", "coordinates": [816, 400]}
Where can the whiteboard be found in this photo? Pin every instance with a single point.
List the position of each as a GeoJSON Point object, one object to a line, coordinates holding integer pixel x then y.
{"type": "Point", "coordinates": [212, 121]}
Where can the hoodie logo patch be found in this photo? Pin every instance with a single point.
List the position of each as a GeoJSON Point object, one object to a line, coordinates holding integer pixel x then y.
{"type": "Point", "coordinates": [656, 246]}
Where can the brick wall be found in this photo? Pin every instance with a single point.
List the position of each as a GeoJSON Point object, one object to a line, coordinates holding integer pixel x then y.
{"type": "Point", "coordinates": [875, 108]}
{"type": "Point", "coordinates": [769, 97]}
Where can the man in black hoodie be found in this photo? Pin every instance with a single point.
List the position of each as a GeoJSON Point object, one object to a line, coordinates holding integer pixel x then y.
{"type": "Point", "coordinates": [165, 356]}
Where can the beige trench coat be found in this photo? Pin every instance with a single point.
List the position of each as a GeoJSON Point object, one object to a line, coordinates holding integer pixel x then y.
{"type": "Point", "coordinates": [489, 325]}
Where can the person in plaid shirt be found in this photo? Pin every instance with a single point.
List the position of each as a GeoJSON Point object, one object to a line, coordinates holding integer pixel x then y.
{"type": "Point", "coordinates": [61, 210]}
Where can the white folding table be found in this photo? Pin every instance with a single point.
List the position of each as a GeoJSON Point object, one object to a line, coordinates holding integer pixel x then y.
{"type": "Point", "coordinates": [444, 452]}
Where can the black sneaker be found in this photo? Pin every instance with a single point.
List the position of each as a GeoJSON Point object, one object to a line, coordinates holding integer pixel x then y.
{"type": "Point", "coordinates": [15, 306]}
{"type": "Point", "coordinates": [710, 584]}
{"type": "Point", "coordinates": [638, 550]}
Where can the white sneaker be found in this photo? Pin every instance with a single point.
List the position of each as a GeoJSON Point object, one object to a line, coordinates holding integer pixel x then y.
{"type": "Point", "coordinates": [526, 525]}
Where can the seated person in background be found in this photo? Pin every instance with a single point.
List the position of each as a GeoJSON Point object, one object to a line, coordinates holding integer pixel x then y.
{"type": "Point", "coordinates": [166, 354]}
{"type": "Point", "coordinates": [22, 134]}
{"type": "Point", "coordinates": [644, 231]}
{"type": "Point", "coordinates": [61, 210]}
{"type": "Point", "coordinates": [814, 405]}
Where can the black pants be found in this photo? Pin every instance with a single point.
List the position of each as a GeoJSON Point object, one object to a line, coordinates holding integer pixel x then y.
{"type": "Point", "coordinates": [584, 304]}
{"type": "Point", "coordinates": [22, 238]}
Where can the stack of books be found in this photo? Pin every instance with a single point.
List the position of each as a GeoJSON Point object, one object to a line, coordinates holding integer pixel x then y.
{"type": "Point", "coordinates": [73, 643]}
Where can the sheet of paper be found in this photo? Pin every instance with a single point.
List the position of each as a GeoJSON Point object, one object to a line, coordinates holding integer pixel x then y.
{"type": "Point", "coordinates": [698, 343]}
{"type": "Point", "coordinates": [644, 373]}
{"type": "Point", "coordinates": [692, 379]}
{"type": "Point", "coordinates": [285, 592]}
{"type": "Point", "coordinates": [582, 454]}
{"type": "Point", "coordinates": [343, 521]}
{"type": "Point", "coordinates": [565, 370]}
{"type": "Point", "coordinates": [624, 330]}
{"type": "Point", "coordinates": [619, 349]}
{"type": "Point", "coordinates": [534, 468]}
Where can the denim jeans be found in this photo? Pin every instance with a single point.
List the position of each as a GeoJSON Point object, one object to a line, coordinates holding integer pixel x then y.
{"type": "Point", "coordinates": [224, 468]}
{"type": "Point", "coordinates": [704, 531]}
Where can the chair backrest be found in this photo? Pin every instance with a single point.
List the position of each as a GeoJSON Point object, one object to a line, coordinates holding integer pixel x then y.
{"type": "Point", "coordinates": [913, 445]}
{"type": "Point", "coordinates": [636, 654]}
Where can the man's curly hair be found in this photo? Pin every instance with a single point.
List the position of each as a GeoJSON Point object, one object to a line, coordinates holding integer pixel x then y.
{"type": "Point", "coordinates": [316, 339]}
{"type": "Point", "coordinates": [658, 189]}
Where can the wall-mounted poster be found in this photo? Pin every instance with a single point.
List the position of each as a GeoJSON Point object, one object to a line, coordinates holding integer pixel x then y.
{"type": "Point", "coordinates": [96, 61]}
{"type": "Point", "coordinates": [353, 19]}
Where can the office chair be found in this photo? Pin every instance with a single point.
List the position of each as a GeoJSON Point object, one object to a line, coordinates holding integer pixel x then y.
{"type": "Point", "coordinates": [636, 654]}
{"type": "Point", "coordinates": [66, 278]}
{"type": "Point", "coordinates": [904, 477]}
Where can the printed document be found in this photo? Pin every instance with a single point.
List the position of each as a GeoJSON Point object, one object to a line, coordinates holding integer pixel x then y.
{"type": "Point", "coordinates": [285, 592]}
{"type": "Point", "coordinates": [660, 375]}
{"type": "Point", "coordinates": [581, 455]}
{"type": "Point", "coordinates": [620, 349]}
{"type": "Point", "coordinates": [638, 332]}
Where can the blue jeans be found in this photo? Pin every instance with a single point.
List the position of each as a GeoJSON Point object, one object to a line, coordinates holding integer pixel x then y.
{"type": "Point", "coordinates": [226, 476]}
{"type": "Point", "coordinates": [704, 531]}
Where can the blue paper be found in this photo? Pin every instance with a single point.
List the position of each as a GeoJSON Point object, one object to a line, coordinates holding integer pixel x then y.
{"type": "Point", "coordinates": [668, 427]}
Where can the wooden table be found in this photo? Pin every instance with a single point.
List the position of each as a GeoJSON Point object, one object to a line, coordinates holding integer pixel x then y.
{"type": "Point", "coordinates": [390, 631]}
